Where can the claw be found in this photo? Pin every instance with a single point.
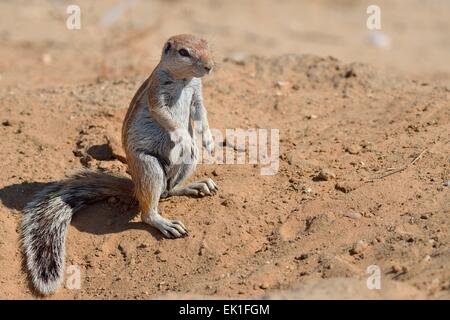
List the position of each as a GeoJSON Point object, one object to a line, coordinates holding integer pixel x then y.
{"type": "Point", "coordinates": [170, 229]}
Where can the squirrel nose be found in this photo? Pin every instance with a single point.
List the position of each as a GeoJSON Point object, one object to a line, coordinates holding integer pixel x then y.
{"type": "Point", "coordinates": [208, 66]}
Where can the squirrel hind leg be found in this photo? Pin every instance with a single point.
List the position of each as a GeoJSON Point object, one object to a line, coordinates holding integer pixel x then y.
{"type": "Point", "coordinates": [150, 183]}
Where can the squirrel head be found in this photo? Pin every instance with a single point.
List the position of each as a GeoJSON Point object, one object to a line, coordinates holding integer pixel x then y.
{"type": "Point", "coordinates": [186, 56]}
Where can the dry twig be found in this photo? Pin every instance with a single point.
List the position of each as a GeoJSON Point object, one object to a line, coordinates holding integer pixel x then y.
{"type": "Point", "coordinates": [400, 169]}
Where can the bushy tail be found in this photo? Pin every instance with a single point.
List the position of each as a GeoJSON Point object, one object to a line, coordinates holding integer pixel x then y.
{"type": "Point", "coordinates": [47, 216]}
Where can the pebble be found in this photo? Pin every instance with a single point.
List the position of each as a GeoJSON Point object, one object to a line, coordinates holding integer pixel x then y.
{"type": "Point", "coordinates": [307, 190]}
{"type": "Point", "coordinates": [353, 215]}
{"type": "Point", "coordinates": [126, 248]}
{"type": "Point", "coordinates": [345, 187]}
{"type": "Point", "coordinates": [142, 246]}
{"type": "Point", "coordinates": [281, 84]}
{"type": "Point", "coordinates": [303, 256]}
{"type": "Point", "coordinates": [238, 58]}
{"type": "Point", "coordinates": [353, 149]}
{"type": "Point", "coordinates": [263, 285]}
{"type": "Point", "coordinates": [396, 268]}
{"type": "Point", "coordinates": [359, 247]}
{"type": "Point", "coordinates": [325, 175]}
{"type": "Point", "coordinates": [227, 202]}
{"type": "Point", "coordinates": [216, 172]}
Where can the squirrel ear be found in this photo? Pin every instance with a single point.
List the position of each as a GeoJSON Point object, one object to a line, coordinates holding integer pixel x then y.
{"type": "Point", "coordinates": [167, 48]}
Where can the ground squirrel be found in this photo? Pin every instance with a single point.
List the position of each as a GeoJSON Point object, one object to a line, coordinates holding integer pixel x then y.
{"type": "Point", "coordinates": [158, 136]}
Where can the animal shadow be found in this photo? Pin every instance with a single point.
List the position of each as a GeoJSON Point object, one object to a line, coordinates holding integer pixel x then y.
{"type": "Point", "coordinates": [98, 218]}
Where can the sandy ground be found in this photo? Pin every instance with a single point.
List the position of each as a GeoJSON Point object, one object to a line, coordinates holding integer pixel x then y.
{"type": "Point", "coordinates": [349, 115]}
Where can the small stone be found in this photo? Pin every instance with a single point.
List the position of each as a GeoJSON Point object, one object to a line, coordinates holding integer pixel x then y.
{"type": "Point", "coordinates": [77, 153]}
{"type": "Point", "coordinates": [227, 202]}
{"type": "Point", "coordinates": [6, 123]}
{"type": "Point", "coordinates": [162, 258]}
{"type": "Point", "coordinates": [345, 187]}
{"type": "Point", "coordinates": [353, 149]}
{"type": "Point", "coordinates": [238, 58]}
{"type": "Point", "coordinates": [427, 258]}
{"type": "Point", "coordinates": [325, 175]}
{"type": "Point", "coordinates": [359, 247]}
{"type": "Point", "coordinates": [216, 172]}
{"type": "Point", "coordinates": [281, 84]}
{"type": "Point", "coordinates": [264, 285]}
{"type": "Point", "coordinates": [307, 190]}
{"type": "Point", "coordinates": [447, 183]}
{"type": "Point", "coordinates": [311, 117]}
{"type": "Point", "coordinates": [126, 249]}
{"type": "Point", "coordinates": [303, 256]}
{"type": "Point", "coordinates": [353, 215]}
{"type": "Point", "coordinates": [379, 239]}
{"type": "Point", "coordinates": [396, 268]}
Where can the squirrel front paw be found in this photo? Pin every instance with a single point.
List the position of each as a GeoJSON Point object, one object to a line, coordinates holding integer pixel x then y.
{"type": "Point", "coordinates": [208, 141]}
{"type": "Point", "coordinates": [183, 146]}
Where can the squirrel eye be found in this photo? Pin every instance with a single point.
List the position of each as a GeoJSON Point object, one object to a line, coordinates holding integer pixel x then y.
{"type": "Point", "coordinates": [183, 52]}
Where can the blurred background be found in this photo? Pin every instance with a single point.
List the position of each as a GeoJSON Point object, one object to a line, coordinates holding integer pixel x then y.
{"type": "Point", "coordinates": [120, 38]}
